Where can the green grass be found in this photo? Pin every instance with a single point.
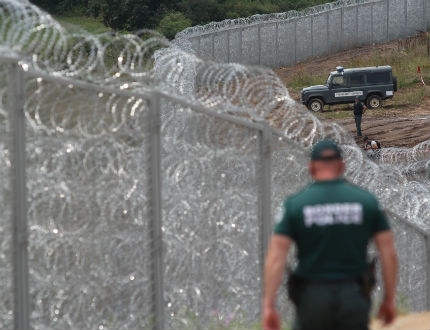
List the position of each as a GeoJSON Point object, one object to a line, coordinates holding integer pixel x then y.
{"type": "Point", "coordinates": [335, 112]}
{"type": "Point", "coordinates": [90, 24]}
{"type": "Point", "coordinates": [410, 96]}
{"type": "Point", "coordinates": [405, 58]}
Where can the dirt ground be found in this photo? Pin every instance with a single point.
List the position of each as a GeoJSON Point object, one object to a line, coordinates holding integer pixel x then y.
{"type": "Point", "coordinates": [401, 126]}
{"type": "Point", "coordinates": [416, 321]}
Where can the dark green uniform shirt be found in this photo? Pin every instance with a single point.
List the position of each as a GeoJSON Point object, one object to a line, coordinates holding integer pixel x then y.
{"type": "Point", "coordinates": [331, 223]}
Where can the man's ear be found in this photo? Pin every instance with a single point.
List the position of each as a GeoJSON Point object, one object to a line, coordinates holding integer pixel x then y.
{"type": "Point", "coordinates": [311, 168]}
{"type": "Point", "coordinates": [342, 167]}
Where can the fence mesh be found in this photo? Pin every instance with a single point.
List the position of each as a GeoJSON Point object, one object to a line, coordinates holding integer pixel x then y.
{"type": "Point", "coordinates": [94, 247]}
{"type": "Point", "coordinates": [411, 246]}
{"type": "Point", "coordinates": [88, 208]}
{"type": "Point", "coordinates": [210, 223]}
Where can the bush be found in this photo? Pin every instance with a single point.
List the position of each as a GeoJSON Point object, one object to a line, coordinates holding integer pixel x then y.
{"type": "Point", "coordinates": [172, 23]}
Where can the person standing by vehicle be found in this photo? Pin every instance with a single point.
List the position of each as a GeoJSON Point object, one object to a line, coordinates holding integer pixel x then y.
{"type": "Point", "coordinates": [331, 222]}
{"type": "Point", "coordinates": [359, 110]}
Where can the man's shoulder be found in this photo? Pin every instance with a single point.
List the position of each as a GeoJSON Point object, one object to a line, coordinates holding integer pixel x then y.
{"type": "Point", "coordinates": [299, 195]}
{"type": "Point", "coordinates": [342, 184]}
{"type": "Point", "coordinates": [296, 195]}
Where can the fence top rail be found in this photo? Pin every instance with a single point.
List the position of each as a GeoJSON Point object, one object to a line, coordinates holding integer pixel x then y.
{"type": "Point", "coordinates": [201, 108]}
{"type": "Point", "coordinates": [6, 58]}
{"type": "Point", "coordinates": [146, 94]}
{"type": "Point", "coordinates": [142, 94]}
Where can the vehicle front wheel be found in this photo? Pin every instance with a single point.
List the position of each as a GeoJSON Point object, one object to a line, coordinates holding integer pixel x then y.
{"type": "Point", "coordinates": [315, 105]}
{"type": "Point", "coordinates": [373, 102]}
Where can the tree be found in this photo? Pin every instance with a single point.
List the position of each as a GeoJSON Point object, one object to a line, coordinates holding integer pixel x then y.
{"type": "Point", "coordinates": [132, 15]}
{"type": "Point", "coordinates": [126, 14]}
{"type": "Point", "coordinates": [202, 11]}
{"type": "Point", "coordinates": [60, 7]}
{"type": "Point", "coordinates": [172, 23]}
{"type": "Point", "coordinates": [235, 8]}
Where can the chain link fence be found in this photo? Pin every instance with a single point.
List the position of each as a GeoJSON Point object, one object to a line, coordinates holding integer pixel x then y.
{"type": "Point", "coordinates": [124, 231]}
{"type": "Point", "coordinates": [139, 182]}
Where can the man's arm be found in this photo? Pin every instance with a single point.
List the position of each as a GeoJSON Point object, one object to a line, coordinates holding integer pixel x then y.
{"type": "Point", "coordinates": [384, 241]}
{"type": "Point", "coordinates": [274, 268]}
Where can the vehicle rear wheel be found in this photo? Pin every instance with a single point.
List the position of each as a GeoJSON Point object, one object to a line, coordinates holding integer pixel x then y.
{"type": "Point", "coordinates": [373, 102]}
{"type": "Point", "coordinates": [315, 105]}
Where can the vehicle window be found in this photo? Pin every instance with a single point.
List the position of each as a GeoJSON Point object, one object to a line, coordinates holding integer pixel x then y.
{"type": "Point", "coordinates": [356, 79]}
{"type": "Point", "coordinates": [378, 77]}
{"type": "Point", "coordinates": [338, 81]}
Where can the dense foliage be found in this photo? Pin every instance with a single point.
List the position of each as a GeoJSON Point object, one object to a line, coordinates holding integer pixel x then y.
{"type": "Point", "coordinates": [168, 16]}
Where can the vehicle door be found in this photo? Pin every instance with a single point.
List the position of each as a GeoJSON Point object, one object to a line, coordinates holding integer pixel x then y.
{"type": "Point", "coordinates": [339, 89]}
{"type": "Point", "coordinates": [380, 82]}
{"type": "Point", "coordinates": [357, 85]}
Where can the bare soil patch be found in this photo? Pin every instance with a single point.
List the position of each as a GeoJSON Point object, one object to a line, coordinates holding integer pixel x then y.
{"type": "Point", "coordinates": [400, 125]}
{"type": "Point", "coordinates": [392, 127]}
{"type": "Point", "coordinates": [415, 321]}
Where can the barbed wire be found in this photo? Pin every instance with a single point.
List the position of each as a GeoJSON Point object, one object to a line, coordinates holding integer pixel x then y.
{"type": "Point", "coordinates": [266, 18]}
{"type": "Point", "coordinates": [89, 187]}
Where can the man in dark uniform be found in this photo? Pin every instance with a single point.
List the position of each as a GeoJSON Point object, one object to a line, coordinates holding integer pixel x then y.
{"type": "Point", "coordinates": [359, 110]}
{"type": "Point", "coordinates": [331, 222]}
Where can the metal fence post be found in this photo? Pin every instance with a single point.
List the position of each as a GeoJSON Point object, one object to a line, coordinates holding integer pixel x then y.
{"type": "Point", "coordinates": [277, 41]}
{"type": "Point", "coordinates": [228, 46]}
{"type": "Point", "coordinates": [156, 217]}
{"type": "Point", "coordinates": [426, 16]}
{"type": "Point", "coordinates": [427, 237]}
{"type": "Point", "coordinates": [387, 19]}
{"type": "Point", "coordinates": [372, 10]}
{"type": "Point", "coordinates": [312, 36]}
{"type": "Point", "coordinates": [213, 44]}
{"type": "Point", "coordinates": [295, 42]}
{"type": "Point", "coordinates": [264, 198]}
{"type": "Point", "coordinates": [16, 96]}
{"type": "Point", "coordinates": [342, 29]}
{"type": "Point", "coordinates": [241, 44]}
{"type": "Point", "coordinates": [200, 44]}
{"type": "Point", "coordinates": [259, 42]}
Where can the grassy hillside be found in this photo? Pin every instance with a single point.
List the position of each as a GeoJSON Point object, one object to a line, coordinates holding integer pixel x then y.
{"type": "Point", "coordinates": [90, 24]}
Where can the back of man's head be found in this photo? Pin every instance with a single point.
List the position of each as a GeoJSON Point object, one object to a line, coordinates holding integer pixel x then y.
{"type": "Point", "coordinates": [326, 147]}
{"type": "Point", "coordinates": [326, 161]}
